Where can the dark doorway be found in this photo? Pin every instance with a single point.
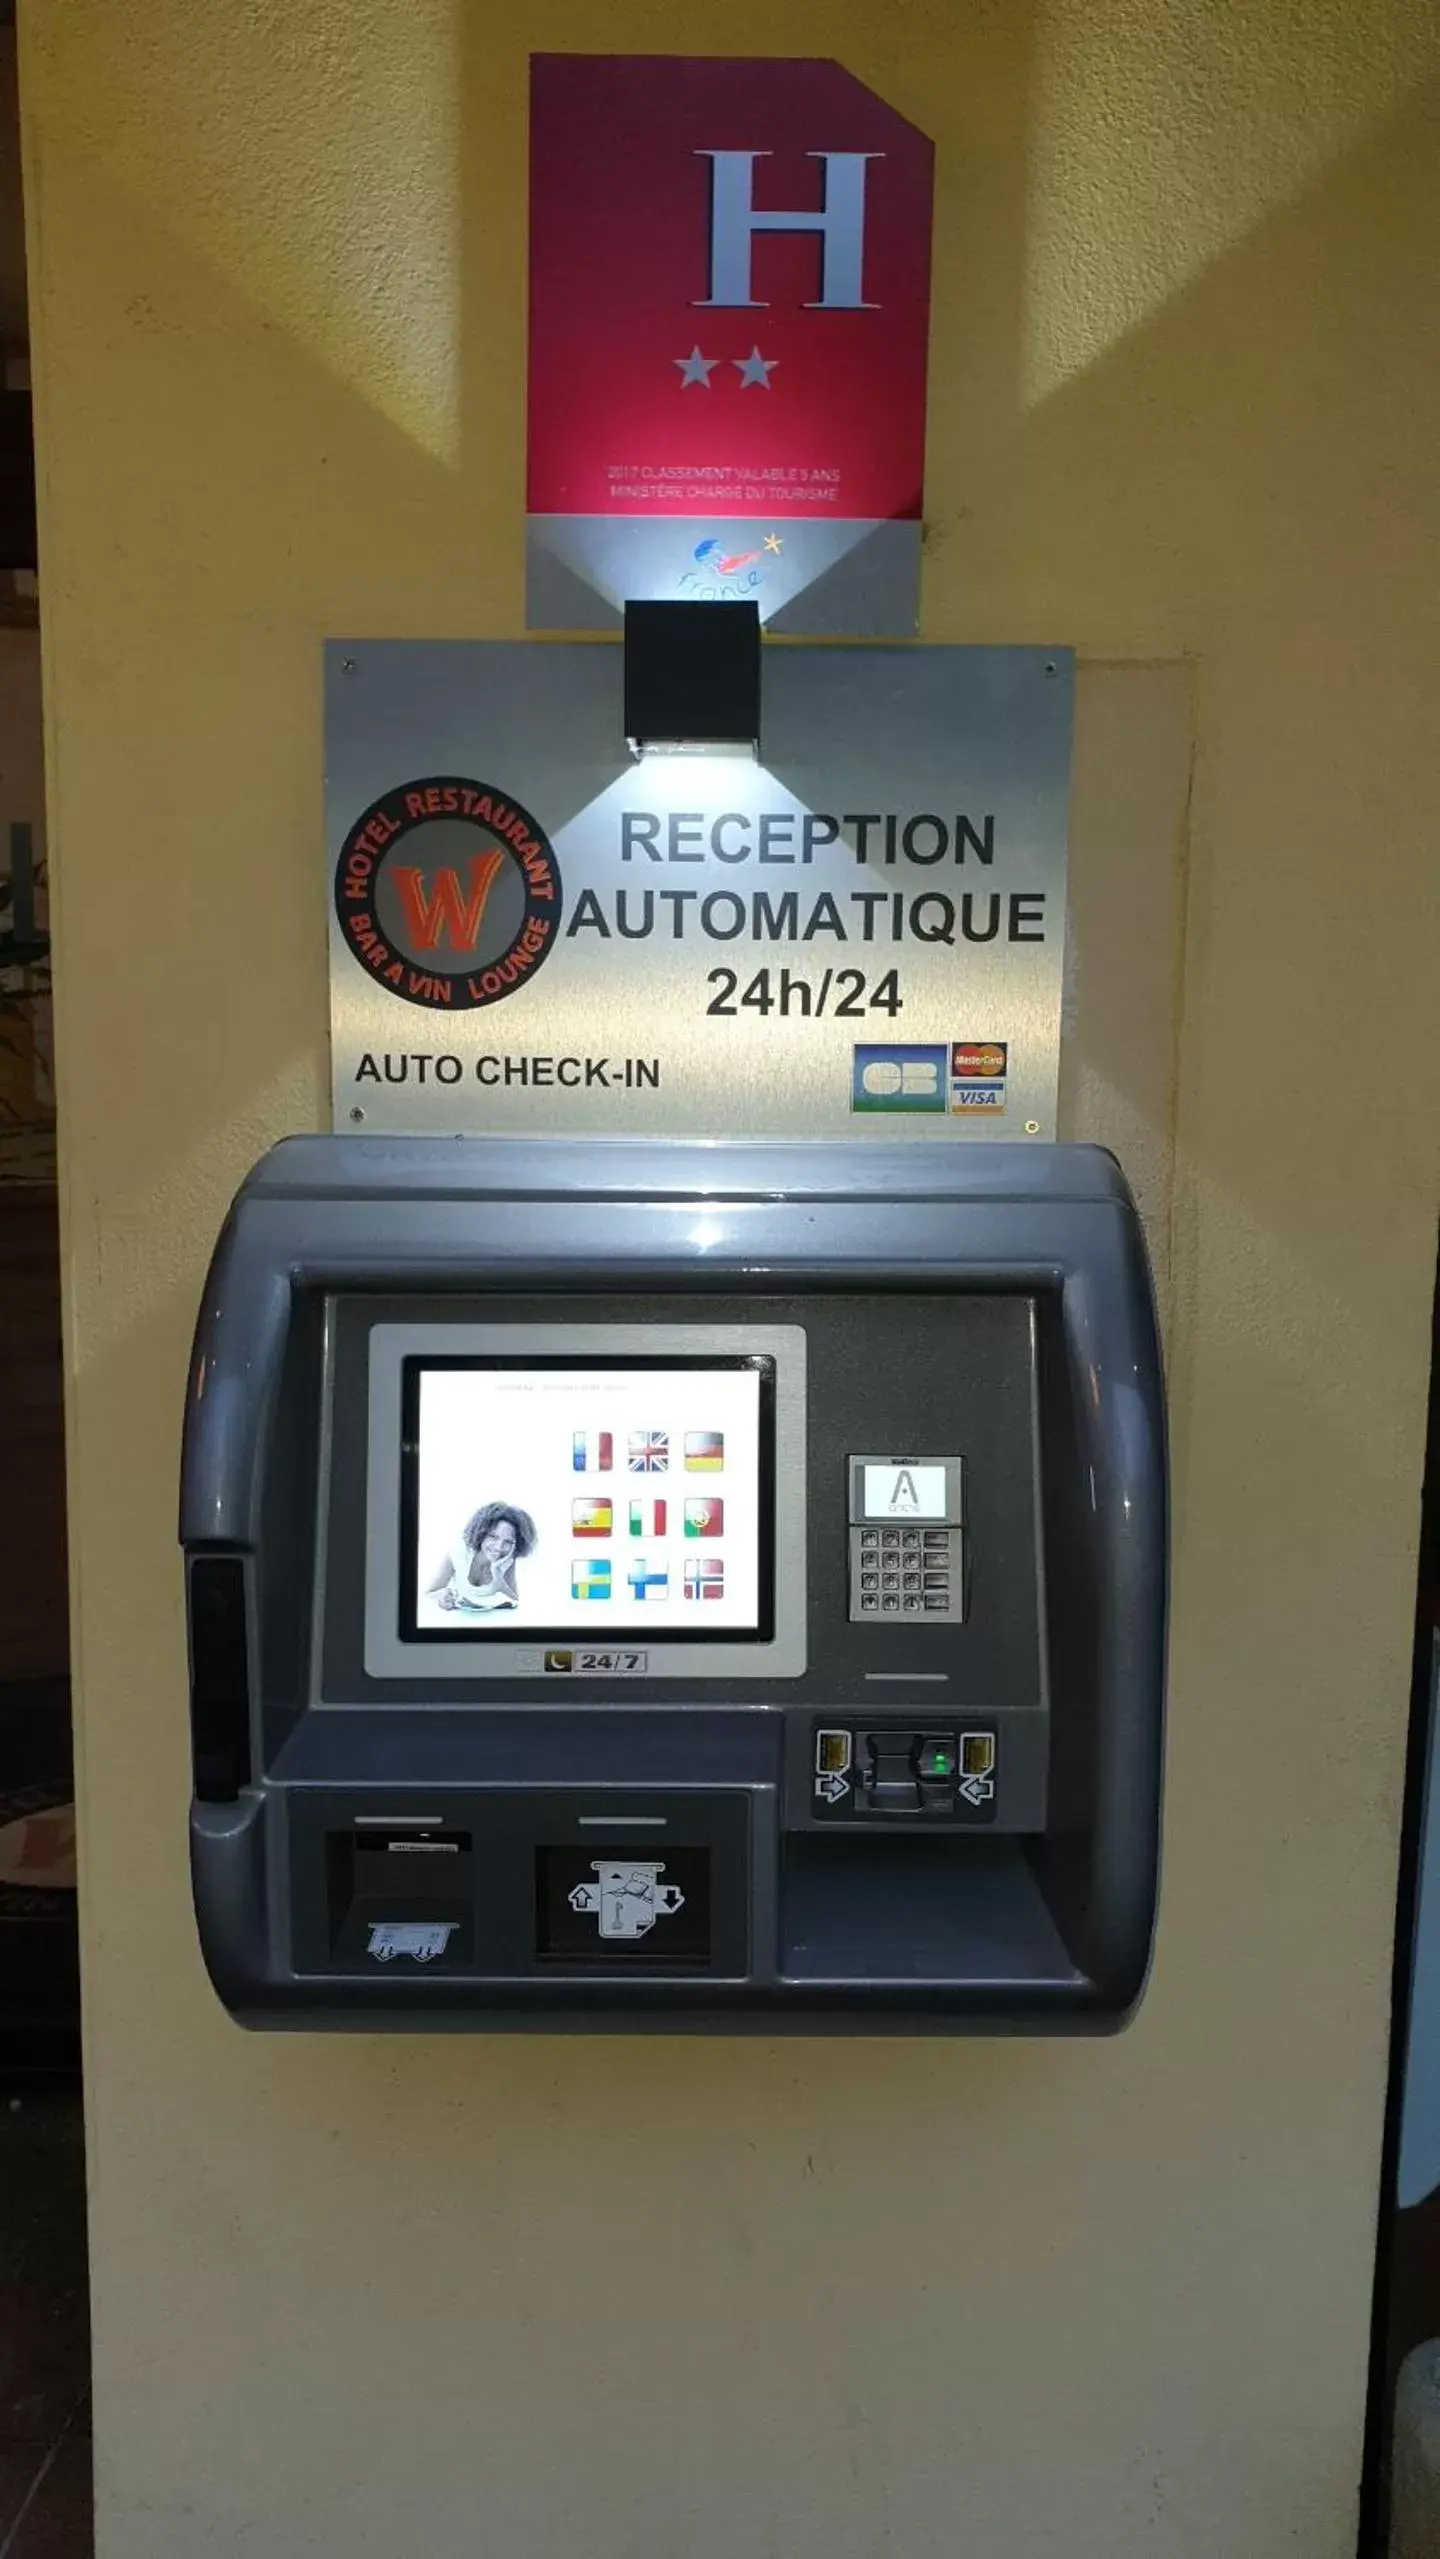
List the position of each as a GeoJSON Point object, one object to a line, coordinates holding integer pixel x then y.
{"type": "Point", "coordinates": [45, 2491]}
{"type": "Point", "coordinates": [1407, 2271]}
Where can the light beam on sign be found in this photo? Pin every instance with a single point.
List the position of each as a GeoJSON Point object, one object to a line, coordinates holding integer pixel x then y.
{"type": "Point", "coordinates": [258, 145]}
{"type": "Point", "coordinates": [1129, 199]}
{"type": "Point", "coordinates": [656, 558]}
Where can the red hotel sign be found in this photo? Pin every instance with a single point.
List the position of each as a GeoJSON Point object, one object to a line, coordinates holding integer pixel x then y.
{"type": "Point", "coordinates": [729, 313]}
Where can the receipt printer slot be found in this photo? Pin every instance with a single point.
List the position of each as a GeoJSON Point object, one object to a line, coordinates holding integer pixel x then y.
{"type": "Point", "coordinates": [400, 1896]}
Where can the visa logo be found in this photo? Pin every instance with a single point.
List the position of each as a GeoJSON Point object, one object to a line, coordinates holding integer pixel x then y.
{"type": "Point", "coordinates": [977, 1097]}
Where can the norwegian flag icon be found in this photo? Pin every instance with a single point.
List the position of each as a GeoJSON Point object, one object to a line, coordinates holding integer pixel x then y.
{"type": "Point", "coordinates": [705, 1577]}
{"type": "Point", "coordinates": [649, 1452]}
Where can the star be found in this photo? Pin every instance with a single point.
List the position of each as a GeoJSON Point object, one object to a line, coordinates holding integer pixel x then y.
{"type": "Point", "coordinates": [773, 541]}
{"type": "Point", "coordinates": [754, 368]}
{"type": "Point", "coordinates": [694, 368]}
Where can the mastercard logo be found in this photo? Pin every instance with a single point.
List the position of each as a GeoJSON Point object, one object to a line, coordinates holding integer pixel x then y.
{"type": "Point", "coordinates": [979, 1058]}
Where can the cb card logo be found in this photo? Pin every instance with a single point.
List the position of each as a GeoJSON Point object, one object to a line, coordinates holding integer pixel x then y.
{"type": "Point", "coordinates": [898, 1079]}
{"type": "Point", "coordinates": [448, 893]}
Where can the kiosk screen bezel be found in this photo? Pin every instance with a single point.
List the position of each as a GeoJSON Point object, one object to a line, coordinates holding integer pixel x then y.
{"type": "Point", "coordinates": [481, 1668]}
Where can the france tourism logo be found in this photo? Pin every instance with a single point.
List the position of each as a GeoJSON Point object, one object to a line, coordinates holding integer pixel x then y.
{"type": "Point", "coordinates": [448, 893]}
{"type": "Point", "coordinates": [722, 569]}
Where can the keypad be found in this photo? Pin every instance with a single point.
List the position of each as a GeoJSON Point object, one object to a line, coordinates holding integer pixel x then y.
{"type": "Point", "coordinates": [904, 1572]}
{"type": "Point", "coordinates": [914, 1568]}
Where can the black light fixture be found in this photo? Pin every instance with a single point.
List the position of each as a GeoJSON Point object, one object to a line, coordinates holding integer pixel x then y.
{"type": "Point", "coordinates": [692, 679]}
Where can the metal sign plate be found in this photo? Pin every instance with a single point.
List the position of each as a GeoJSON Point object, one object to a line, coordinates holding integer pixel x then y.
{"type": "Point", "coordinates": [530, 931]}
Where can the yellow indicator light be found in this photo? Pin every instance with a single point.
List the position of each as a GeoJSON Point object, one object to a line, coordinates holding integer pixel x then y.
{"type": "Point", "coordinates": [832, 1753]}
{"type": "Point", "coordinates": [977, 1754]}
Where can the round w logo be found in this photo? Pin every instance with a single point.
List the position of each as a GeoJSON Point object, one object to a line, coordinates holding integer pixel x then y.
{"type": "Point", "coordinates": [436, 933]}
{"type": "Point", "coordinates": [440, 907]}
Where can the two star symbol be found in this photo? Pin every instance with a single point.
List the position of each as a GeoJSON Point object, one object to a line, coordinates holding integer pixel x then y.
{"type": "Point", "coordinates": [754, 369]}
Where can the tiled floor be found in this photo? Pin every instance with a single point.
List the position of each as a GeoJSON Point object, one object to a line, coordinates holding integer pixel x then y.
{"type": "Point", "coordinates": [45, 2497]}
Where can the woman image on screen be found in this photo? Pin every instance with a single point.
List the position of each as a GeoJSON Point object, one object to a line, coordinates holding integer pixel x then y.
{"type": "Point", "coordinates": [479, 1571]}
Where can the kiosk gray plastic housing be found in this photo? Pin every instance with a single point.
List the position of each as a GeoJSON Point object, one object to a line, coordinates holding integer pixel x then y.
{"type": "Point", "coordinates": [709, 1586]}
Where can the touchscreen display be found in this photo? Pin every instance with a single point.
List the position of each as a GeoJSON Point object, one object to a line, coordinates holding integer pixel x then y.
{"type": "Point", "coordinates": [588, 1498]}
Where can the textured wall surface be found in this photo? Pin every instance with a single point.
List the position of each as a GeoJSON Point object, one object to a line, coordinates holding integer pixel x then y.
{"type": "Point", "coordinates": [1047, 2301]}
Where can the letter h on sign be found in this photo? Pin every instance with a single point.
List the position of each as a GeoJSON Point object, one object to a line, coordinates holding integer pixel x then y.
{"type": "Point", "coordinates": [840, 221]}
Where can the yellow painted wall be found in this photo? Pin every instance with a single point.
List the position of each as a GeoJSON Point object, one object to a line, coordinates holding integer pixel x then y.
{"type": "Point", "coordinates": [1016, 2301]}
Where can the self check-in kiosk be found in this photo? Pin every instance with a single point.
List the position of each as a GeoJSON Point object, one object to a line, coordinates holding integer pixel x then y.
{"type": "Point", "coordinates": [691, 1585]}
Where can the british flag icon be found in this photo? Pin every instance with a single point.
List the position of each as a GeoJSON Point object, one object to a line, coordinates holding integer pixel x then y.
{"type": "Point", "coordinates": [649, 1452]}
